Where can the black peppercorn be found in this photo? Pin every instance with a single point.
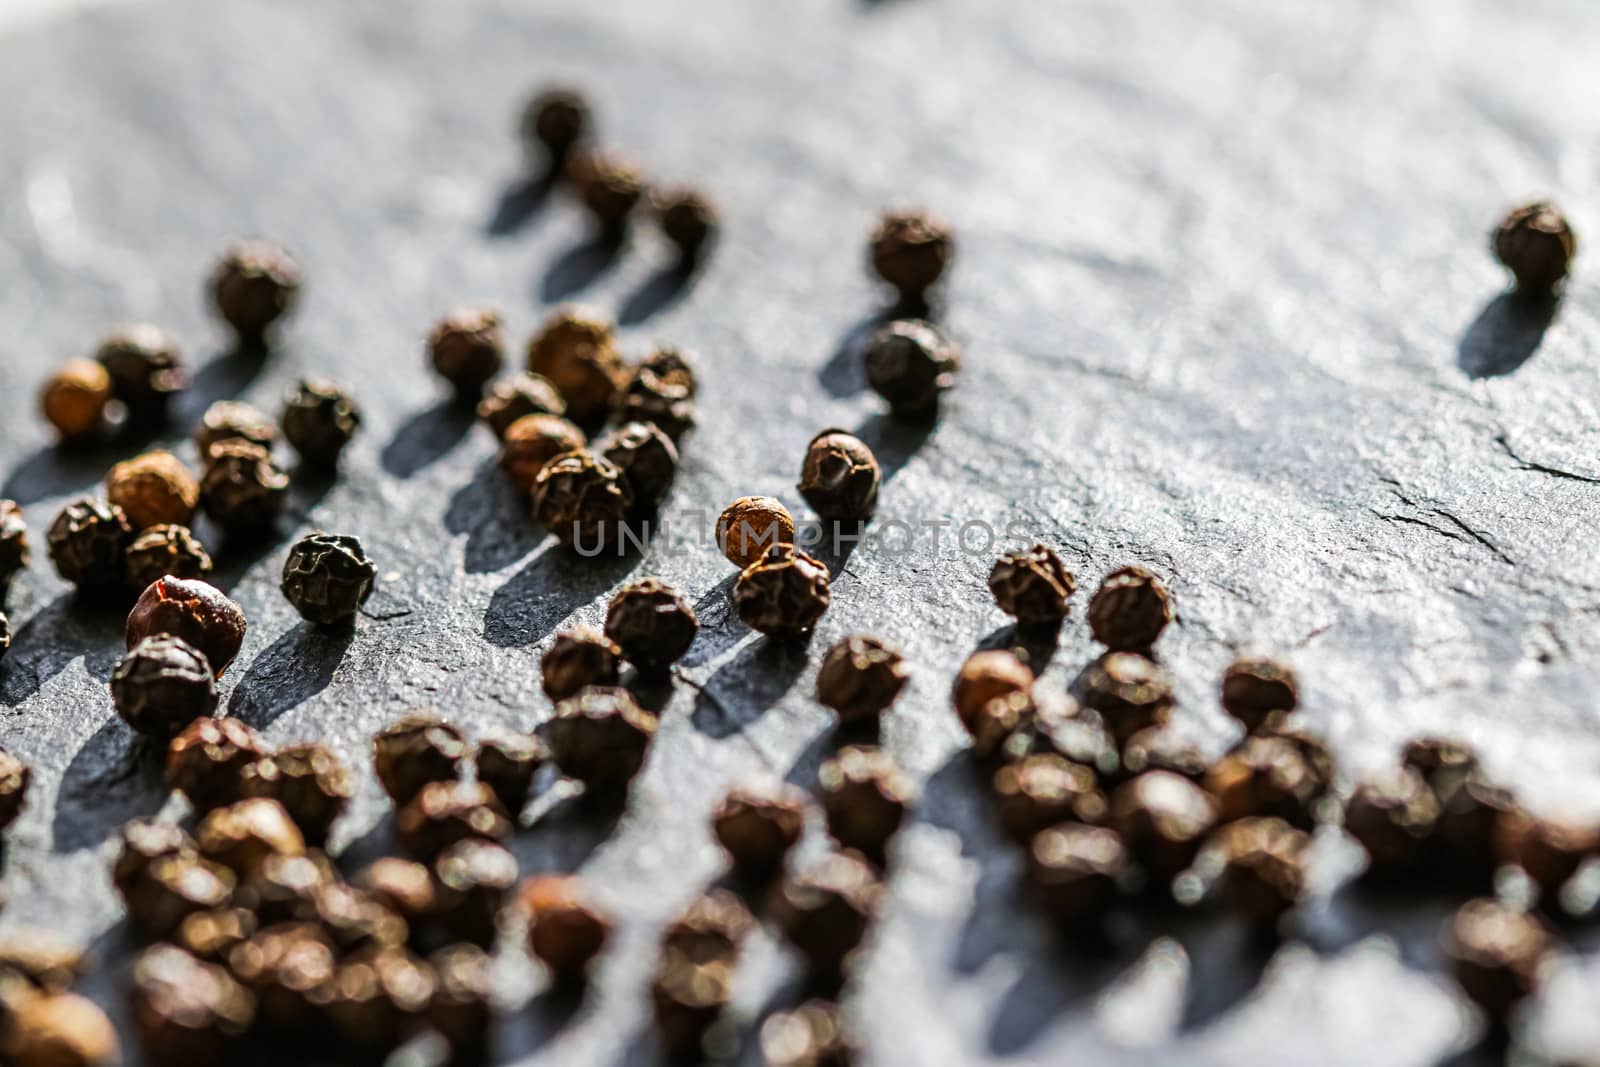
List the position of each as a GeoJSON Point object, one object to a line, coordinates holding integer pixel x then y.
{"type": "Point", "coordinates": [1392, 816]}
{"type": "Point", "coordinates": [556, 119]}
{"type": "Point", "coordinates": [14, 778]}
{"type": "Point", "coordinates": [88, 544]}
{"type": "Point", "coordinates": [153, 489]}
{"type": "Point", "coordinates": [865, 797]}
{"type": "Point", "coordinates": [652, 623]}
{"type": "Point", "coordinates": [576, 351]}
{"type": "Point", "coordinates": [74, 399]}
{"type": "Point", "coordinates": [565, 931]}
{"type": "Point", "coordinates": [1042, 790]}
{"type": "Point", "coordinates": [812, 1035]}
{"type": "Point", "coordinates": [187, 1011]}
{"type": "Point", "coordinates": [243, 489]}
{"type": "Point", "coordinates": [1263, 867]}
{"type": "Point", "coordinates": [1077, 870]}
{"type": "Point", "coordinates": [1130, 692]}
{"type": "Point", "coordinates": [860, 677]}
{"type": "Point", "coordinates": [211, 935]}
{"type": "Point", "coordinates": [1536, 244]}
{"type": "Point", "coordinates": [313, 785]}
{"type": "Point", "coordinates": [55, 1029]}
{"type": "Point", "coordinates": [840, 477]}
{"type": "Point", "coordinates": [1130, 609]}
{"type": "Point", "coordinates": [473, 877]}
{"type": "Point", "coordinates": [583, 500]}
{"type": "Point", "coordinates": [759, 826]}
{"type": "Point", "coordinates": [462, 1008]}
{"type": "Point", "coordinates": [1163, 820]}
{"type": "Point", "coordinates": [579, 658]}
{"type": "Point", "coordinates": [824, 911]}
{"type": "Point", "coordinates": [1496, 955]}
{"type": "Point", "coordinates": [163, 551]}
{"type": "Point", "coordinates": [162, 685]}
{"type": "Point", "coordinates": [1548, 852]}
{"type": "Point", "coordinates": [1259, 691]}
{"type": "Point", "coordinates": [443, 813]}
{"type": "Point", "coordinates": [416, 750]}
{"type": "Point", "coordinates": [911, 364]}
{"type": "Point", "coordinates": [609, 185]}
{"type": "Point", "coordinates": [646, 457]}
{"type": "Point", "coordinates": [229, 420]}
{"type": "Point", "coordinates": [207, 759]}
{"type": "Point", "coordinates": [327, 578]}
{"type": "Point", "coordinates": [145, 370]}
{"type": "Point", "coordinates": [467, 349]}
{"type": "Point", "coordinates": [910, 250]}
{"type": "Point", "coordinates": [14, 552]}
{"type": "Point", "coordinates": [381, 995]}
{"type": "Point", "coordinates": [196, 611]}
{"type": "Point", "coordinates": [253, 285]}
{"type": "Point", "coordinates": [661, 391]}
{"type": "Point", "coordinates": [1034, 586]}
{"type": "Point", "coordinates": [507, 764]}
{"type": "Point", "coordinates": [1269, 775]}
{"type": "Point", "coordinates": [750, 526]}
{"type": "Point", "coordinates": [171, 887]}
{"type": "Point", "coordinates": [318, 420]}
{"type": "Point", "coordinates": [687, 218]}
{"type": "Point", "coordinates": [783, 594]}
{"type": "Point", "coordinates": [600, 737]}
{"type": "Point", "coordinates": [510, 399]}
{"type": "Point", "coordinates": [669, 369]}
{"type": "Point", "coordinates": [289, 967]}
{"type": "Point", "coordinates": [243, 835]}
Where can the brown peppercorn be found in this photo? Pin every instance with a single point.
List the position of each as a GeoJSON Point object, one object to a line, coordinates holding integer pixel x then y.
{"type": "Point", "coordinates": [687, 218]}
{"type": "Point", "coordinates": [145, 369]}
{"type": "Point", "coordinates": [1061, 726]}
{"type": "Point", "coordinates": [56, 1029]}
{"type": "Point", "coordinates": [163, 551]}
{"type": "Point", "coordinates": [196, 611]}
{"type": "Point", "coordinates": [687, 995]}
{"type": "Point", "coordinates": [1536, 244]}
{"type": "Point", "coordinates": [1034, 586]}
{"type": "Point", "coordinates": [860, 677]}
{"type": "Point", "coordinates": [1159, 749]}
{"type": "Point", "coordinates": [140, 843]}
{"type": "Point", "coordinates": [380, 997]}
{"type": "Point", "coordinates": [403, 886]}
{"type": "Point", "coordinates": [242, 836]}
{"type": "Point", "coordinates": [758, 826]}
{"type": "Point", "coordinates": [1436, 758]}
{"type": "Point", "coordinates": [824, 911]}
{"type": "Point", "coordinates": [651, 623]}
{"type": "Point", "coordinates": [206, 761]}
{"type": "Point", "coordinates": [865, 797]}
{"type": "Point", "coordinates": [812, 1035]}
{"type": "Point", "coordinates": [998, 721]}
{"type": "Point", "coordinates": [609, 185]}
{"type": "Point", "coordinates": [1392, 816]}
{"type": "Point", "coordinates": [660, 391]}
{"type": "Point", "coordinates": [172, 887]}
{"type": "Point", "coordinates": [243, 490]}
{"type": "Point", "coordinates": [1042, 790]}
{"type": "Point", "coordinates": [600, 737]}
{"type": "Point", "coordinates": [751, 525]}
{"type": "Point", "coordinates": [1269, 776]}
{"type": "Point", "coordinates": [1130, 692]}
{"type": "Point", "coordinates": [646, 457]}
{"type": "Point", "coordinates": [229, 420]}
{"type": "Point", "coordinates": [583, 500]}
{"type": "Point", "coordinates": [1130, 609]}
{"type": "Point", "coordinates": [88, 544]}
{"type": "Point", "coordinates": [839, 478]}
{"type": "Point", "coordinates": [313, 785]}
{"type": "Point", "coordinates": [507, 764]}
{"type": "Point", "coordinates": [473, 877]}
{"type": "Point", "coordinates": [556, 119]}
{"type": "Point", "coordinates": [162, 685]}
{"type": "Point", "coordinates": [186, 1011]}
{"type": "Point", "coordinates": [154, 489]}
{"type": "Point", "coordinates": [1496, 955]}
{"type": "Point", "coordinates": [319, 419]}
{"type": "Point", "coordinates": [1258, 691]}
{"type": "Point", "coordinates": [15, 554]}
{"type": "Point", "coordinates": [534, 440]}
{"type": "Point", "coordinates": [910, 250]}
{"type": "Point", "coordinates": [911, 365]}
{"type": "Point", "coordinates": [285, 888]}
{"type": "Point", "coordinates": [74, 399]}
{"type": "Point", "coordinates": [1163, 820]}
{"type": "Point", "coordinates": [576, 351]}
{"type": "Point", "coordinates": [443, 813]}
{"type": "Point", "coordinates": [1548, 852]}
{"type": "Point", "coordinates": [353, 919]}
{"type": "Point", "coordinates": [1470, 808]}
{"type": "Point", "coordinates": [14, 778]}
{"type": "Point", "coordinates": [1077, 870]}
{"type": "Point", "coordinates": [327, 577]}
{"type": "Point", "coordinates": [565, 931]}
{"type": "Point", "coordinates": [519, 396]}
{"type": "Point", "coordinates": [783, 594]}
{"type": "Point", "coordinates": [668, 368]}
{"type": "Point", "coordinates": [1264, 867]}
{"type": "Point", "coordinates": [289, 967]}
{"type": "Point", "coordinates": [416, 750]}
{"type": "Point", "coordinates": [211, 935]}
{"type": "Point", "coordinates": [985, 675]}
{"type": "Point", "coordinates": [253, 285]}
{"type": "Point", "coordinates": [467, 348]}
{"type": "Point", "coordinates": [578, 658]}
{"type": "Point", "coordinates": [34, 960]}
{"type": "Point", "coordinates": [462, 1008]}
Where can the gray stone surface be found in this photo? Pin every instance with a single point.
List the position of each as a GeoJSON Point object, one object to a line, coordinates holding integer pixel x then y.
{"type": "Point", "coordinates": [1228, 312]}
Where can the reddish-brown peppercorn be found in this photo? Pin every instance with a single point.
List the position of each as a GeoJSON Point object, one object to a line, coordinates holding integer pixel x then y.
{"type": "Point", "coordinates": [1130, 609]}
{"type": "Point", "coordinates": [507, 765]}
{"type": "Point", "coordinates": [313, 785]}
{"type": "Point", "coordinates": [145, 369]}
{"type": "Point", "coordinates": [153, 489]}
{"type": "Point", "coordinates": [750, 526]}
{"type": "Point", "coordinates": [1034, 586]}
{"type": "Point", "coordinates": [519, 396]}
{"type": "Point", "coordinates": [467, 348]}
{"type": "Point", "coordinates": [565, 931]}
{"type": "Point", "coordinates": [327, 577]}
{"type": "Point", "coordinates": [196, 611]}
{"type": "Point", "coordinates": [1077, 869]}
{"type": "Point", "coordinates": [243, 489]}
{"type": "Point", "coordinates": [1130, 692]}
{"type": "Point", "coordinates": [824, 911]}
{"type": "Point", "coordinates": [211, 935]}
{"type": "Point", "coordinates": [229, 420]}
{"type": "Point", "coordinates": [473, 877]}
{"type": "Point", "coordinates": [241, 836]}
{"type": "Point", "coordinates": [600, 737]}
{"type": "Point", "coordinates": [443, 813]}
{"type": "Point", "coordinates": [186, 1011]}
{"type": "Point", "coordinates": [911, 365]}
{"type": "Point", "coordinates": [206, 761]}
{"type": "Point", "coordinates": [1392, 816]}
{"type": "Point", "coordinates": [556, 119]}
{"type": "Point", "coordinates": [534, 440]}
{"type": "Point", "coordinates": [1495, 955]}
{"type": "Point", "coordinates": [840, 476]}
{"type": "Point", "coordinates": [910, 250]}
{"type": "Point", "coordinates": [1269, 775]}
{"type": "Point", "coordinates": [88, 544]}
{"type": "Point", "coordinates": [1163, 820]}
{"type": "Point", "coordinates": [783, 594]}
{"type": "Point", "coordinates": [381, 995]}
{"type": "Point", "coordinates": [1264, 867]}
{"type": "Point", "coordinates": [583, 500]}
{"type": "Point", "coordinates": [165, 551]}
{"type": "Point", "coordinates": [758, 827]}
{"type": "Point", "coordinates": [74, 399]}
{"type": "Point", "coordinates": [607, 183]}
{"type": "Point", "coordinates": [14, 778]}
{"type": "Point", "coordinates": [687, 218]}
{"type": "Point", "coordinates": [14, 551]}
{"type": "Point", "coordinates": [812, 1035]}
{"type": "Point", "coordinates": [860, 677]}
{"type": "Point", "coordinates": [576, 351]}
{"type": "Point", "coordinates": [253, 285]}
{"type": "Point", "coordinates": [1536, 244]}
{"type": "Point", "coordinates": [865, 797]}
{"type": "Point", "coordinates": [1042, 790]}
{"type": "Point", "coordinates": [984, 676]}
{"type": "Point", "coordinates": [319, 419]}
{"type": "Point", "coordinates": [1548, 852]}
{"type": "Point", "coordinates": [578, 658]}
{"type": "Point", "coordinates": [162, 685]}
{"type": "Point", "coordinates": [646, 457]}
{"type": "Point", "coordinates": [416, 750]}
{"type": "Point", "coordinates": [1258, 691]}
{"type": "Point", "coordinates": [687, 995]}
{"type": "Point", "coordinates": [652, 623]}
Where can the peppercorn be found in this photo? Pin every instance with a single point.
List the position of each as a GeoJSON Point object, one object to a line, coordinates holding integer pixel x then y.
{"type": "Point", "coordinates": [186, 1011]}
{"type": "Point", "coordinates": [865, 797]}
{"type": "Point", "coordinates": [1163, 820]}
{"type": "Point", "coordinates": [1130, 692]}
{"type": "Point", "coordinates": [669, 368]}
{"type": "Point", "coordinates": [1034, 586]}
{"type": "Point", "coordinates": [14, 778]}
{"type": "Point", "coordinates": [462, 1008]}
{"type": "Point", "coordinates": [206, 761]}
{"type": "Point", "coordinates": [687, 218]}
{"type": "Point", "coordinates": [576, 350]}
{"type": "Point", "coordinates": [1158, 749]}
{"type": "Point", "coordinates": [313, 785]}
{"type": "Point", "coordinates": [327, 577]}
{"type": "Point", "coordinates": [443, 813]}
{"type": "Point", "coordinates": [1548, 852]}
{"type": "Point", "coordinates": [1060, 725]}
{"type": "Point", "coordinates": [402, 886]}
{"type": "Point", "coordinates": [985, 675]}
{"type": "Point", "coordinates": [56, 1029]}
{"type": "Point", "coordinates": [1392, 816]}
{"type": "Point", "coordinates": [510, 399]}
{"type": "Point", "coordinates": [600, 737]}
{"type": "Point", "coordinates": [824, 911]}
{"type": "Point", "coordinates": [353, 919]}
{"type": "Point", "coordinates": [14, 552]}
{"type": "Point", "coordinates": [565, 931]}
{"type": "Point", "coordinates": [1496, 955]}
{"type": "Point", "coordinates": [229, 420]}
{"type": "Point", "coordinates": [467, 349]}
{"type": "Point", "coordinates": [1044, 789]}
{"type": "Point", "coordinates": [89, 542]}
{"type": "Point", "coordinates": [289, 967]}
{"type": "Point", "coordinates": [910, 250]}
{"type": "Point", "coordinates": [1536, 244]}
{"type": "Point", "coordinates": [578, 658]}
{"type": "Point", "coordinates": [380, 996]}
{"type": "Point", "coordinates": [860, 677]}
{"type": "Point", "coordinates": [758, 826]}
{"type": "Point", "coordinates": [473, 877]}
{"type": "Point", "coordinates": [196, 611]}
{"type": "Point", "coordinates": [211, 935]}
{"type": "Point", "coordinates": [911, 364]}
{"type": "Point", "coordinates": [1263, 867]}
{"type": "Point", "coordinates": [1470, 808]}
{"type": "Point", "coordinates": [318, 420]}
{"type": "Point", "coordinates": [661, 391]}
{"type": "Point", "coordinates": [687, 995]}
{"type": "Point", "coordinates": [646, 457]}
{"type": "Point", "coordinates": [253, 285]}
{"type": "Point", "coordinates": [243, 835]}
{"type": "Point", "coordinates": [998, 721]}
{"type": "Point", "coordinates": [243, 489]}
{"type": "Point", "coordinates": [583, 500]}
{"type": "Point", "coordinates": [558, 118]}
{"type": "Point", "coordinates": [416, 750]}
{"type": "Point", "coordinates": [812, 1035]}
{"type": "Point", "coordinates": [1077, 870]}
{"type": "Point", "coordinates": [783, 594]}
{"type": "Point", "coordinates": [1130, 609]}
{"type": "Point", "coordinates": [153, 489]}
{"type": "Point", "coordinates": [839, 479]}
{"type": "Point", "coordinates": [651, 623]}
{"type": "Point", "coordinates": [163, 551]}
{"type": "Point", "coordinates": [1269, 775]}
{"type": "Point", "coordinates": [74, 399]}
{"type": "Point", "coordinates": [751, 525]}
{"type": "Point", "coordinates": [162, 685]}
{"type": "Point", "coordinates": [145, 370]}
{"type": "Point", "coordinates": [141, 843]}
{"type": "Point", "coordinates": [285, 888]}
{"type": "Point", "coordinates": [1258, 691]}
{"type": "Point", "coordinates": [172, 887]}
{"type": "Point", "coordinates": [534, 440]}
{"type": "Point", "coordinates": [609, 185]}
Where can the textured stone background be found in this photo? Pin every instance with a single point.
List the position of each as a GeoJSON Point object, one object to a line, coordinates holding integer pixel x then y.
{"type": "Point", "coordinates": [1228, 313]}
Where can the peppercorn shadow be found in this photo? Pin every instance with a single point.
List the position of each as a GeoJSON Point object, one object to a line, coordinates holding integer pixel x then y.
{"type": "Point", "coordinates": [564, 834]}
{"type": "Point", "coordinates": [425, 437]}
{"type": "Point", "coordinates": [549, 588]}
{"type": "Point", "coordinates": [1035, 643]}
{"type": "Point", "coordinates": [842, 375]}
{"type": "Point", "coordinates": [113, 777]}
{"type": "Point", "coordinates": [70, 627]}
{"type": "Point", "coordinates": [894, 441]}
{"type": "Point", "coordinates": [581, 266]}
{"type": "Point", "coordinates": [660, 291]}
{"type": "Point", "coordinates": [66, 468]}
{"type": "Point", "coordinates": [519, 201]}
{"type": "Point", "coordinates": [743, 689]}
{"type": "Point", "coordinates": [1505, 334]}
{"type": "Point", "coordinates": [296, 667]}
{"type": "Point", "coordinates": [1409, 915]}
{"type": "Point", "coordinates": [495, 518]}
{"type": "Point", "coordinates": [720, 628]}
{"type": "Point", "coordinates": [520, 1035]}
{"type": "Point", "coordinates": [222, 377]}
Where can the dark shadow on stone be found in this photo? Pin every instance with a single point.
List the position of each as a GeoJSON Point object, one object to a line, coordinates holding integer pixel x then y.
{"type": "Point", "coordinates": [495, 518]}
{"type": "Point", "coordinates": [519, 202]}
{"type": "Point", "coordinates": [579, 267]}
{"type": "Point", "coordinates": [114, 777]}
{"type": "Point", "coordinates": [659, 292]}
{"type": "Point", "coordinates": [842, 374]}
{"type": "Point", "coordinates": [235, 555]}
{"type": "Point", "coordinates": [553, 584]}
{"type": "Point", "coordinates": [1505, 334]}
{"type": "Point", "coordinates": [289, 672]}
{"type": "Point", "coordinates": [1055, 979]}
{"type": "Point", "coordinates": [833, 543]}
{"type": "Point", "coordinates": [1226, 962]}
{"type": "Point", "coordinates": [1035, 645]}
{"type": "Point", "coordinates": [803, 771]}
{"type": "Point", "coordinates": [60, 470]}
{"type": "Point", "coordinates": [518, 1035]}
{"type": "Point", "coordinates": [744, 688]}
{"type": "Point", "coordinates": [565, 835]}
{"type": "Point", "coordinates": [720, 628]}
{"type": "Point", "coordinates": [68, 627]}
{"type": "Point", "coordinates": [307, 486]}
{"type": "Point", "coordinates": [1490, 1050]}
{"type": "Point", "coordinates": [223, 377]}
{"type": "Point", "coordinates": [371, 846]}
{"type": "Point", "coordinates": [894, 441]}
{"type": "Point", "coordinates": [425, 437]}
{"type": "Point", "coordinates": [1409, 914]}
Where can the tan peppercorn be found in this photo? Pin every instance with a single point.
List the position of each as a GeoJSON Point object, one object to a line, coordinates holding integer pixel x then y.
{"type": "Point", "coordinates": [1496, 955]}
{"type": "Point", "coordinates": [751, 525]}
{"type": "Point", "coordinates": [74, 398]}
{"type": "Point", "coordinates": [242, 836]}
{"type": "Point", "coordinates": [55, 1030]}
{"type": "Point", "coordinates": [576, 351]}
{"type": "Point", "coordinates": [758, 825]}
{"type": "Point", "coordinates": [1256, 691]}
{"type": "Point", "coordinates": [154, 489]}
{"type": "Point", "coordinates": [534, 440]}
{"type": "Point", "coordinates": [986, 675]}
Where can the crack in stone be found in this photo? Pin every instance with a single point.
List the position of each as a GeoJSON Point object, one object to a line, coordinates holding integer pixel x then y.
{"type": "Point", "coordinates": [1540, 468]}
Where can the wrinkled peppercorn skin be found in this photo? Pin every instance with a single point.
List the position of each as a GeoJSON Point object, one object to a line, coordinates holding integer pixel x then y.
{"type": "Point", "coordinates": [196, 611]}
{"type": "Point", "coordinates": [579, 658]}
{"type": "Point", "coordinates": [254, 285]}
{"type": "Point", "coordinates": [319, 419]}
{"type": "Point", "coordinates": [165, 551]}
{"type": "Point", "coordinates": [911, 250]}
{"type": "Point", "coordinates": [752, 525]}
{"type": "Point", "coordinates": [229, 420]}
{"type": "Point", "coordinates": [1034, 586]}
{"type": "Point", "coordinates": [327, 578]}
{"type": "Point", "coordinates": [1130, 609]}
{"type": "Point", "coordinates": [534, 440]}
{"type": "Point", "coordinates": [510, 399]}
{"type": "Point", "coordinates": [860, 678]}
{"type": "Point", "coordinates": [88, 543]}
{"type": "Point", "coordinates": [660, 391]}
{"type": "Point", "coordinates": [600, 737]}
{"type": "Point", "coordinates": [583, 500]}
{"type": "Point", "coordinates": [651, 623]}
{"type": "Point", "coordinates": [646, 457]}
{"type": "Point", "coordinates": [839, 479]}
{"type": "Point", "coordinates": [163, 684]}
{"type": "Point", "coordinates": [15, 553]}
{"type": "Point", "coordinates": [243, 490]}
{"type": "Point", "coordinates": [911, 365]}
{"type": "Point", "coordinates": [783, 594]}
{"type": "Point", "coordinates": [576, 351]}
